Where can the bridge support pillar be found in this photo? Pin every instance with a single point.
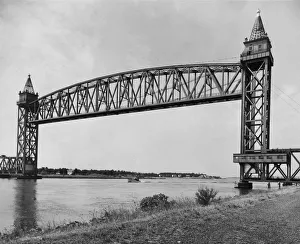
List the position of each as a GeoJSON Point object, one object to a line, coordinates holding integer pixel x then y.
{"type": "Point", "coordinates": [27, 135]}
{"type": "Point", "coordinates": [244, 185]}
{"type": "Point", "coordinates": [257, 61]}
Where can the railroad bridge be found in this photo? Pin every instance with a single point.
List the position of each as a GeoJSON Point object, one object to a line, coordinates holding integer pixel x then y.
{"type": "Point", "coordinates": [164, 87]}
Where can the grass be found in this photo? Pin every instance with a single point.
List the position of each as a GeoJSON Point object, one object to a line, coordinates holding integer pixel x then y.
{"type": "Point", "coordinates": [127, 223]}
{"type": "Point", "coordinates": [104, 218]}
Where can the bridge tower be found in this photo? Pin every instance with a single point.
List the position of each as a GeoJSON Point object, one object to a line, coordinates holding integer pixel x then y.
{"type": "Point", "coordinates": [27, 134]}
{"type": "Point", "coordinates": [257, 62]}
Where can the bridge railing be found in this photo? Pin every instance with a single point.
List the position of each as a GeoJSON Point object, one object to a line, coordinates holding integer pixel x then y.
{"type": "Point", "coordinates": [140, 90]}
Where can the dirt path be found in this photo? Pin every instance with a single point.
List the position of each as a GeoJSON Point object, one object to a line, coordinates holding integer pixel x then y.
{"type": "Point", "coordinates": [273, 219]}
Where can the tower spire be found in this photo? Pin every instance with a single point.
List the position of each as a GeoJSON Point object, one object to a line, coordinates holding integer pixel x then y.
{"type": "Point", "coordinates": [28, 86]}
{"type": "Point", "coordinates": [258, 30]}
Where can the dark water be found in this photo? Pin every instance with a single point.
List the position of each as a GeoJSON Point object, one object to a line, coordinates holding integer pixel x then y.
{"type": "Point", "coordinates": [27, 204]}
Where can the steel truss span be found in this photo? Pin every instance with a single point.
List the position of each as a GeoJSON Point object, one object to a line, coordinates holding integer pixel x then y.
{"type": "Point", "coordinates": [141, 90]}
{"type": "Point", "coordinates": [10, 165]}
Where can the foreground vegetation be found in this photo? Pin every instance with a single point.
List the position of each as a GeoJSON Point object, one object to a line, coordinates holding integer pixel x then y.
{"type": "Point", "coordinates": [157, 220]}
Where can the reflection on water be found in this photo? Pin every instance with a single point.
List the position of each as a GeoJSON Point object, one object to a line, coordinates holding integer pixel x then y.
{"type": "Point", "coordinates": [25, 216]}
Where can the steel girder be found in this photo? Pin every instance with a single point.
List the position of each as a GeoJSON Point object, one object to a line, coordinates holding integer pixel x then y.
{"type": "Point", "coordinates": [141, 90]}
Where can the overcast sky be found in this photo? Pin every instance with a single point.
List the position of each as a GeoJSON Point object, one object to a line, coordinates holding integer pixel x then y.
{"type": "Point", "coordinates": [62, 42]}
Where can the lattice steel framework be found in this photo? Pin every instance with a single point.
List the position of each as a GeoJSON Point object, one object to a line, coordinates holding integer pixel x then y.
{"type": "Point", "coordinates": [256, 106]}
{"type": "Point", "coordinates": [133, 91]}
{"type": "Point", "coordinates": [10, 165]}
{"type": "Point", "coordinates": [141, 90]}
{"type": "Point", "coordinates": [257, 161]}
{"type": "Point", "coordinates": [27, 135]}
{"type": "Point", "coordinates": [274, 165]}
{"type": "Point", "coordinates": [164, 87]}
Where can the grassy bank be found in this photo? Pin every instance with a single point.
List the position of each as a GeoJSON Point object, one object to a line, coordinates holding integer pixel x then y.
{"type": "Point", "coordinates": [184, 222]}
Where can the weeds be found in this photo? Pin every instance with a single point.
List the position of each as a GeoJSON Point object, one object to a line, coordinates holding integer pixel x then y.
{"type": "Point", "coordinates": [156, 202]}
{"type": "Point", "coordinates": [205, 195]}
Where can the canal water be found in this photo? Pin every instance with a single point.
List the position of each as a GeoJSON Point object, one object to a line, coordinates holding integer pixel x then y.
{"type": "Point", "coordinates": [32, 203]}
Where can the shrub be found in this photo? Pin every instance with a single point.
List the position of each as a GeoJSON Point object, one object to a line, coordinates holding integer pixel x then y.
{"type": "Point", "coordinates": [159, 201]}
{"type": "Point", "coordinates": [205, 195]}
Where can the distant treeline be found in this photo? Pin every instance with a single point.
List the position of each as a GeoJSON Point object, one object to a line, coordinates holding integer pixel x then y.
{"type": "Point", "coordinates": [176, 174]}
{"type": "Point", "coordinates": [112, 173]}
{"type": "Point", "coordinates": [117, 173]}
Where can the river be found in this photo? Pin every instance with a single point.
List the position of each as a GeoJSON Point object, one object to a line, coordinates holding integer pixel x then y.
{"type": "Point", "coordinates": [32, 203]}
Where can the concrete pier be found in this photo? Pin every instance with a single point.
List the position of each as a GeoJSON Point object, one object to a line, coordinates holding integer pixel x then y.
{"type": "Point", "coordinates": [244, 185]}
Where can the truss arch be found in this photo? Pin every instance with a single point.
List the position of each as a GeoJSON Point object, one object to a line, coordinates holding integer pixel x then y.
{"type": "Point", "coordinates": [141, 90]}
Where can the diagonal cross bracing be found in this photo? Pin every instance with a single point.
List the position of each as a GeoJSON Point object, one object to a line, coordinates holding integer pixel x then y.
{"type": "Point", "coordinates": [141, 90]}
{"type": "Point", "coordinates": [255, 109]}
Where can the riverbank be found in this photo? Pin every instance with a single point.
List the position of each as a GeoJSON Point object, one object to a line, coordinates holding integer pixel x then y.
{"type": "Point", "coordinates": [264, 217]}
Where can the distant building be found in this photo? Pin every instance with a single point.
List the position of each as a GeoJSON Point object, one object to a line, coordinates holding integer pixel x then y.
{"type": "Point", "coordinates": [69, 171]}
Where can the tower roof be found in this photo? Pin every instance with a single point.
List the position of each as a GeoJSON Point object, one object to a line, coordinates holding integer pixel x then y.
{"type": "Point", "coordinates": [28, 86]}
{"type": "Point", "coordinates": [258, 30]}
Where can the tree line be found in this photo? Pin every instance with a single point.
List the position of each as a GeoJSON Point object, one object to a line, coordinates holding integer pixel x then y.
{"type": "Point", "coordinates": [117, 173]}
{"type": "Point", "coordinates": [112, 173]}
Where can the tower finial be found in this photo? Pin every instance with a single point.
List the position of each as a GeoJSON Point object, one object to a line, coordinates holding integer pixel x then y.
{"type": "Point", "coordinates": [258, 30]}
{"type": "Point", "coordinates": [258, 12]}
{"type": "Point", "coordinates": [28, 86]}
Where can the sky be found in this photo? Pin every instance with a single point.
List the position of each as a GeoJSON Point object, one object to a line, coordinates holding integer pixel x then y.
{"type": "Point", "coordinates": [62, 42]}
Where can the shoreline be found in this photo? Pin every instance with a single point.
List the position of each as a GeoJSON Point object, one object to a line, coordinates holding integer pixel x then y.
{"type": "Point", "coordinates": [117, 225]}
{"type": "Point", "coordinates": [106, 177]}
{"type": "Point", "coordinates": [112, 177]}
{"type": "Point", "coordinates": [92, 177]}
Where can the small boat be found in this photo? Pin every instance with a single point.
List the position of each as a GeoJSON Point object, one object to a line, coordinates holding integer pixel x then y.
{"type": "Point", "coordinates": [134, 180]}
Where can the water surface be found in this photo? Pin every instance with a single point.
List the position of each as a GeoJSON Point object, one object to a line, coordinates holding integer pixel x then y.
{"type": "Point", "coordinates": [32, 203]}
